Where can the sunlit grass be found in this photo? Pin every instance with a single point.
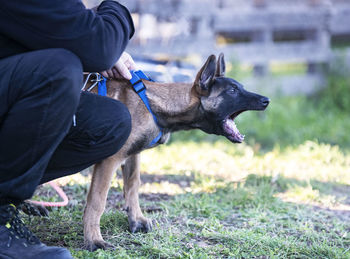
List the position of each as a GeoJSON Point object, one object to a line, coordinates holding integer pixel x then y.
{"type": "Point", "coordinates": [224, 200]}
{"type": "Point", "coordinates": [230, 162]}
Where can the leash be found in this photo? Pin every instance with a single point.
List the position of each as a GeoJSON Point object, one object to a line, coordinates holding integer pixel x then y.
{"type": "Point", "coordinates": [54, 204]}
{"type": "Point", "coordinates": [140, 89]}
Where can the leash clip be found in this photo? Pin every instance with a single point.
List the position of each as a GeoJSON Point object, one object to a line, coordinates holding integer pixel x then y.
{"type": "Point", "coordinates": [99, 80]}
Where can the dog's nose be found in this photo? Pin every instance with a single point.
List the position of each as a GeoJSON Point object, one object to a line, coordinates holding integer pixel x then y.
{"type": "Point", "coordinates": [265, 101]}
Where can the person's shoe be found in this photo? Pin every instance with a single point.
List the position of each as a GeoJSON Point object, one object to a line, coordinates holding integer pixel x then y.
{"type": "Point", "coordinates": [18, 242]}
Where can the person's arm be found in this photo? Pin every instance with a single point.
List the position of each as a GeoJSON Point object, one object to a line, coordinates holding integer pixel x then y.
{"type": "Point", "coordinates": [98, 39]}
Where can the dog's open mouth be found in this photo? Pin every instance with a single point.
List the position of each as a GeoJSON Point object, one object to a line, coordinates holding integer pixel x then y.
{"type": "Point", "coordinates": [230, 128]}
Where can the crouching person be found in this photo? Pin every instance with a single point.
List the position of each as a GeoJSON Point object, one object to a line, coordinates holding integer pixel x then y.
{"type": "Point", "coordinates": [44, 48]}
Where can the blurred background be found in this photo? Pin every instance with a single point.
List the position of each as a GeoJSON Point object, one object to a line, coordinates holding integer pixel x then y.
{"type": "Point", "coordinates": [298, 51]}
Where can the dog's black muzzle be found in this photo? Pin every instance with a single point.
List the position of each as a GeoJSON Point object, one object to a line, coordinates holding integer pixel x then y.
{"type": "Point", "coordinates": [253, 101]}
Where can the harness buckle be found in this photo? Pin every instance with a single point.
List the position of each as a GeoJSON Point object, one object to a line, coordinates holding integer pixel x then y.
{"type": "Point", "coordinates": [138, 86]}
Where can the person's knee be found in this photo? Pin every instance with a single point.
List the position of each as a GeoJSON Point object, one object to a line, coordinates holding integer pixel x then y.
{"type": "Point", "coordinates": [70, 71]}
{"type": "Point", "coordinates": [64, 68]}
{"type": "Point", "coordinates": [126, 122]}
{"type": "Point", "coordinates": [121, 125]}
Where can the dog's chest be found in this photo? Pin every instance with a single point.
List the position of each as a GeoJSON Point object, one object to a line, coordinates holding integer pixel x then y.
{"type": "Point", "coordinates": [143, 142]}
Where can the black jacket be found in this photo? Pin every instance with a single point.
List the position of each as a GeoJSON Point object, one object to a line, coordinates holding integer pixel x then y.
{"type": "Point", "coordinates": [98, 39]}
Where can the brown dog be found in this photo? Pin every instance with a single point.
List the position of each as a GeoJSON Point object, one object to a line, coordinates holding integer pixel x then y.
{"type": "Point", "coordinates": [211, 104]}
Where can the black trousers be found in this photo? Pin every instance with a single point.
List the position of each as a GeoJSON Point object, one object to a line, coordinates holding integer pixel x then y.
{"type": "Point", "coordinates": [39, 94]}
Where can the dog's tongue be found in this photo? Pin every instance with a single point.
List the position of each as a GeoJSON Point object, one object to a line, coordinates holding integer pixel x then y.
{"type": "Point", "coordinates": [231, 128]}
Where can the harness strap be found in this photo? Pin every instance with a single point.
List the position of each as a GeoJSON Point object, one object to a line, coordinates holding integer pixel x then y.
{"type": "Point", "coordinates": [101, 86]}
{"type": "Point", "coordinates": [140, 89]}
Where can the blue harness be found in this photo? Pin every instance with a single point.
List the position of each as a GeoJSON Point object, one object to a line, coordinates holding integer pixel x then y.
{"type": "Point", "coordinates": [140, 89]}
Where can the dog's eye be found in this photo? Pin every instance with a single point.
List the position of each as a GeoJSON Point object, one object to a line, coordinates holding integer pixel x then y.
{"type": "Point", "coordinates": [232, 90]}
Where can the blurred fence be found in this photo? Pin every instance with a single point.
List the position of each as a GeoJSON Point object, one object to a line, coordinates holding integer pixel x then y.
{"type": "Point", "coordinates": [254, 32]}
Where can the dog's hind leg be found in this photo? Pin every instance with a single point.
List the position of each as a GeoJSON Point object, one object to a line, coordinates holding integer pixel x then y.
{"type": "Point", "coordinates": [96, 202]}
{"type": "Point", "coordinates": [131, 176]}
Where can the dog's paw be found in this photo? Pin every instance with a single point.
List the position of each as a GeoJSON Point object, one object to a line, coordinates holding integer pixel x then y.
{"type": "Point", "coordinates": [141, 225]}
{"type": "Point", "coordinates": [97, 244]}
{"type": "Point", "coordinates": [33, 209]}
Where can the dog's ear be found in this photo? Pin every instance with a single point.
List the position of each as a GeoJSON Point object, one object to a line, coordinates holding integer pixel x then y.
{"type": "Point", "coordinates": [205, 76]}
{"type": "Point", "coordinates": [220, 66]}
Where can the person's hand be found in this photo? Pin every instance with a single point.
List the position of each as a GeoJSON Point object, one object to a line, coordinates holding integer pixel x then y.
{"type": "Point", "coordinates": [121, 68]}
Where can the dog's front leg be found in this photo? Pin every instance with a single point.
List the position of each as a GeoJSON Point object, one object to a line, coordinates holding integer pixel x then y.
{"type": "Point", "coordinates": [96, 202]}
{"type": "Point", "coordinates": [131, 176]}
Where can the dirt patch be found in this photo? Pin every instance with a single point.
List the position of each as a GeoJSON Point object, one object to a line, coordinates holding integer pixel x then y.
{"type": "Point", "coordinates": [116, 200]}
{"type": "Point", "coordinates": [155, 197]}
{"type": "Point", "coordinates": [181, 180]}
{"type": "Point", "coordinates": [344, 215]}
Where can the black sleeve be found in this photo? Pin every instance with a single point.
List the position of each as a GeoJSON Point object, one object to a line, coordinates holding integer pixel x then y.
{"type": "Point", "coordinates": [98, 39]}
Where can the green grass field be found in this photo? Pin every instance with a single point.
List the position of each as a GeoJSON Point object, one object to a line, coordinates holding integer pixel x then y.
{"type": "Point", "coordinates": [285, 193]}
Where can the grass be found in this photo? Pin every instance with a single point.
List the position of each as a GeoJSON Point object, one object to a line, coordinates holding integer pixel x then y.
{"type": "Point", "coordinates": [285, 193]}
{"type": "Point", "coordinates": [220, 200]}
